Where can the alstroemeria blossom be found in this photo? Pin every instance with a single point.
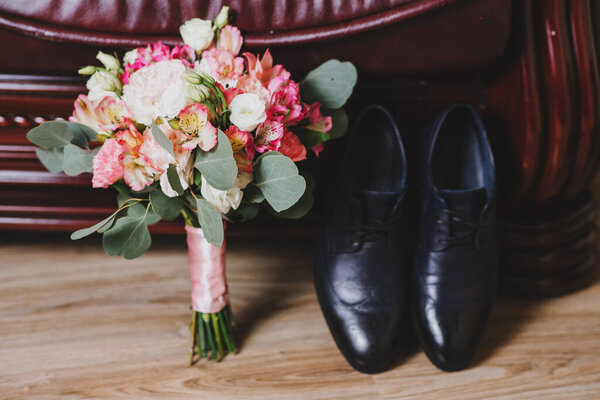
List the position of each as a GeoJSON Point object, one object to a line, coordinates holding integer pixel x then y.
{"type": "Point", "coordinates": [222, 65]}
{"type": "Point", "coordinates": [231, 39]}
{"type": "Point", "coordinates": [268, 136]}
{"type": "Point", "coordinates": [247, 111]}
{"type": "Point", "coordinates": [194, 122]}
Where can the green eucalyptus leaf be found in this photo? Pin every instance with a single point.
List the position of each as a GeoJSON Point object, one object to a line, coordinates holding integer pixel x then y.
{"type": "Point", "coordinates": [246, 211]}
{"type": "Point", "coordinates": [331, 83]}
{"type": "Point", "coordinates": [77, 160]}
{"type": "Point", "coordinates": [253, 194]}
{"type": "Point", "coordinates": [82, 130]}
{"type": "Point", "coordinates": [167, 207]}
{"type": "Point", "coordinates": [162, 139]}
{"type": "Point", "coordinates": [81, 233]}
{"type": "Point", "coordinates": [174, 180]}
{"type": "Point", "coordinates": [298, 210]}
{"type": "Point", "coordinates": [277, 177]}
{"type": "Point", "coordinates": [49, 159]}
{"type": "Point", "coordinates": [339, 121]}
{"type": "Point", "coordinates": [129, 237]}
{"type": "Point", "coordinates": [217, 165]}
{"type": "Point", "coordinates": [303, 206]}
{"type": "Point", "coordinates": [81, 134]}
{"type": "Point", "coordinates": [310, 138]}
{"type": "Point", "coordinates": [211, 222]}
{"type": "Point", "coordinates": [51, 134]}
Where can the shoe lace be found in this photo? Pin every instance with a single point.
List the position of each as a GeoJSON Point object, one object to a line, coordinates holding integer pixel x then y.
{"type": "Point", "coordinates": [375, 229]}
{"type": "Point", "coordinates": [461, 228]}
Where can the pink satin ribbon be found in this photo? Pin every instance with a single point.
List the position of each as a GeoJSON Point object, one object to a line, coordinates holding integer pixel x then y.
{"type": "Point", "coordinates": [207, 270]}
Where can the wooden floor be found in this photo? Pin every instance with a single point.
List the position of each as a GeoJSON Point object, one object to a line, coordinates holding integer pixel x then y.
{"type": "Point", "coordinates": [75, 323]}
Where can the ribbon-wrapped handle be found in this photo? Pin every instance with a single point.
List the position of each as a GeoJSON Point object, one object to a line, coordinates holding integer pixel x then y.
{"type": "Point", "coordinates": [207, 270]}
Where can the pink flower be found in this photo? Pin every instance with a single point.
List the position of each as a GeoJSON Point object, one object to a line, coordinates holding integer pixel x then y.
{"type": "Point", "coordinates": [292, 147]}
{"type": "Point", "coordinates": [112, 112]}
{"type": "Point", "coordinates": [229, 93]}
{"type": "Point", "coordinates": [107, 164]}
{"type": "Point", "coordinates": [318, 122]}
{"type": "Point", "coordinates": [268, 136]}
{"type": "Point", "coordinates": [138, 171]}
{"type": "Point", "coordinates": [285, 104]}
{"type": "Point", "coordinates": [263, 70]}
{"type": "Point", "coordinates": [241, 141]}
{"type": "Point", "coordinates": [194, 122]}
{"type": "Point", "coordinates": [156, 52]}
{"type": "Point", "coordinates": [318, 148]}
{"type": "Point", "coordinates": [249, 84]}
{"type": "Point", "coordinates": [222, 64]}
{"type": "Point", "coordinates": [231, 39]}
{"type": "Point", "coordinates": [84, 112]}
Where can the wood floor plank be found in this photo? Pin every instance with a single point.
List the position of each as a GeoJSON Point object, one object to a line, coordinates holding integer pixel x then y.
{"type": "Point", "coordinates": [77, 324]}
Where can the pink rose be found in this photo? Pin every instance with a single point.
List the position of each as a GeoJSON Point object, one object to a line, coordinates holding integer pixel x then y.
{"type": "Point", "coordinates": [107, 164]}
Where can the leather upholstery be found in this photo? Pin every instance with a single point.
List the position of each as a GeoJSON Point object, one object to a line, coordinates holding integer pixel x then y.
{"type": "Point", "coordinates": [427, 36]}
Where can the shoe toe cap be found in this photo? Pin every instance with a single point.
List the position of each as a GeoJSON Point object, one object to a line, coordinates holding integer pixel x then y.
{"type": "Point", "coordinates": [367, 340]}
{"type": "Point", "coordinates": [450, 334]}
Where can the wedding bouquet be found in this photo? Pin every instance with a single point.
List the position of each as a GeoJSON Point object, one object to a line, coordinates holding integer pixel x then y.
{"type": "Point", "coordinates": [197, 131]}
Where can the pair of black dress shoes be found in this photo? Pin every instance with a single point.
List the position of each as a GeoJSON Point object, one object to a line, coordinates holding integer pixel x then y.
{"type": "Point", "coordinates": [373, 270]}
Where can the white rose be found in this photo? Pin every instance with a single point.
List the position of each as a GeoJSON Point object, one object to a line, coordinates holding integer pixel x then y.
{"type": "Point", "coordinates": [247, 111]}
{"type": "Point", "coordinates": [156, 90]}
{"type": "Point", "coordinates": [101, 84]}
{"type": "Point", "coordinates": [197, 33]}
{"type": "Point", "coordinates": [224, 200]}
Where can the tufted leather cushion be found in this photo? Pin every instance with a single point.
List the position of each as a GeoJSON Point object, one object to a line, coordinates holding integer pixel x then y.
{"type": "Point", "coordinates": [381, 36]}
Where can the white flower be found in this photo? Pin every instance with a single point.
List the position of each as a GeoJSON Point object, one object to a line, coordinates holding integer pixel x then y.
{"type": "Point", "coordinates": [222, 18]}
{"type": "Point", "coordinates": [109, 62]}
{"type": "Point", "coordinates": [185, 167]}
{"type": "Point", "coordinates": [247, 111]}
{"type": "Point", "coordinates": [156, 90]}
{"type": "Point", "coordinates": [101, 84]}
{"type": "Point", "coordinates": [224, 200]}
{"type": "Point", "coordinates": [130, 56]}
{"type": "Point", "coordinates": [197, 33]}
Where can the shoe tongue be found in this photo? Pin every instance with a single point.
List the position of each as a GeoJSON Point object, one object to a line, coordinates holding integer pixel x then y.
{"type": "Point", "coordinates": [467, 202]}
{"type": "Point", "coordinates": [378, 205]}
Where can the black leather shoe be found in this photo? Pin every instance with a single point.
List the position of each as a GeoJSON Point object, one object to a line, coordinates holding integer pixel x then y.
{"type": "Point", "coordinates": [362, 263]}
{"type": "Point", "coordinates": [455, 266]}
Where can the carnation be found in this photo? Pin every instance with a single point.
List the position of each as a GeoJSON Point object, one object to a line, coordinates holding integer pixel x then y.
{"type": "Point", "coordinates": [156, 90]}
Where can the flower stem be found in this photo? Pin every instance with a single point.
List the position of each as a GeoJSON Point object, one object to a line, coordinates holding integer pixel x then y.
{"type": "Point", "coordinates": [213, 335]}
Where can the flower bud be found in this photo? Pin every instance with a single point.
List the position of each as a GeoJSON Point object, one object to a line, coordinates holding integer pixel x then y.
{"type": "Point", "coordinates": [110, 62]}
{"type": "Point", "coordinates": [222, 18]}
{"type": "Point", "coordinates": [89, 70]}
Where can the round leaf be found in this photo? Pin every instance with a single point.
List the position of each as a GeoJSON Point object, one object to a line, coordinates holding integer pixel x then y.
{"type": "Point", "coordinates": [277, 177]}
{"type": "Point", "coordinates": [331, 83]}
{"type": "Point", "coordinates": [218, 166]}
